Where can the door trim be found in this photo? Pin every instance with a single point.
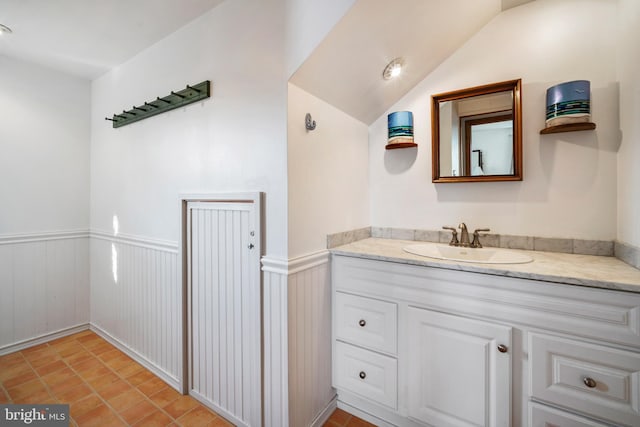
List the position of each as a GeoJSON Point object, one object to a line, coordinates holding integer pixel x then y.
{"type": "Point", "coordinates": [256, 198]}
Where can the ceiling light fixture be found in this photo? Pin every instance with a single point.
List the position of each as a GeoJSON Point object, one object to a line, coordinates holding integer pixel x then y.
{"type": "Point", "coordinates": [393, 69]}
{"type": "Point", "coordinates": [4, 29]}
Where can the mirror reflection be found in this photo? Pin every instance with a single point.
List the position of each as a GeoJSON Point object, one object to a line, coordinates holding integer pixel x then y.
{"type": "Point", "coordinates": [476, 134]}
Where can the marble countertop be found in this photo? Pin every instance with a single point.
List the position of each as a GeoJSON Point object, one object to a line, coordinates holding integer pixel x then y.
{"type": "Point", "coordinates": [581, 270]}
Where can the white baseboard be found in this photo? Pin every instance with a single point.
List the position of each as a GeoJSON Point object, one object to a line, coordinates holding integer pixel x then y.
{"type": "Point", "coordinates": [326, 413]}
{"type": "Point", "coordinates": [21, 345]}
{"type": "Point", "coordinates": [164, 376]}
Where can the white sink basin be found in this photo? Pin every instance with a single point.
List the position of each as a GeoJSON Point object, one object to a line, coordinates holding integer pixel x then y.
{"type": "Point", "coordinates": [477, 255]}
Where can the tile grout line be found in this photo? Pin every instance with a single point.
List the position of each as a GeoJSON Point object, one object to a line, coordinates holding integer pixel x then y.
{"type": "Point", "coordinates": [145, 397]}
{"type": "Point", "coordinates": [93, 390]}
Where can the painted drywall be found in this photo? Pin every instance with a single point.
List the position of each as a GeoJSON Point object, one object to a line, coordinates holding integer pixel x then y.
{"type": "Point", "coordinates": [308, 22]}
{"type": "Point", "coordinates": [628, 171]}
{"type": "Point", "coordinates": [569, 186]}
{"type": "Point", "coordinates": [44, 213]}
{"type": "Point", "coordinates": [233, 142]}
{"type": "Point", "coordinates": [44, 141]}
{"type": "Point", "coordinates": [328, 180]}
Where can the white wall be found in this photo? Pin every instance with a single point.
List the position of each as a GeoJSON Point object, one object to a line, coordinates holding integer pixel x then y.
{"type": "Point", "coordinates": [569, 179]}
{"type": "Point", "coordinates": [628, 171]}
{"type": "Point", "coordinates": [233, 142]}
{"type": "Point", "coordinates": [44, 213]}
{"type": "Point", "coordinates": [308, 22]}
{"type": "Point", "coordinates": [44, 146]}
{"type": "Point", "coordinates": [44, 283]}
{"type": "Point", "coordinates": [328, 182]}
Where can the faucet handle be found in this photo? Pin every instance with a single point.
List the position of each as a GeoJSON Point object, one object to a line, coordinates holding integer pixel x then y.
{"type": "Point", "coordinates": [476, 237]}
{"type": "Point", "coordinates": [454, 236]}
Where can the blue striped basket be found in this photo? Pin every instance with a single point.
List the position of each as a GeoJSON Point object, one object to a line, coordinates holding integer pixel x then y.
{"type": "Point", "coordinates": [569, 102]}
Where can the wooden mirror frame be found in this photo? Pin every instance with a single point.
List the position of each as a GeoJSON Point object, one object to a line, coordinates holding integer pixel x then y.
{"type": "Point", "coordinates": [511, 85]}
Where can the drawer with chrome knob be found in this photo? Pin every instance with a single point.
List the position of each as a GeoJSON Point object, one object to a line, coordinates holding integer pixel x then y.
{"type": "Point", "coordinates": [588, 378]}
{"type": "Point", "coordinates": [367, 322]}
{"type": "Point", "coordinates": [366, 373]}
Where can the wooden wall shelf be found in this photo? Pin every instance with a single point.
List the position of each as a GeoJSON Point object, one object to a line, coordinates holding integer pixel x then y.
{"type": "Point", "coordinates": [400, 145]}
{"type": "Point", "coordinates": [571, 127]}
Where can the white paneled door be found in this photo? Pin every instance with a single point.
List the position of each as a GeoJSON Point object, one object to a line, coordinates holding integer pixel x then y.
{"type": "Point", "coordinates": [224, 310]}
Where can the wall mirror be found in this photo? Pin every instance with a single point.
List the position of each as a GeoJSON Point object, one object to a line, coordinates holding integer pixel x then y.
{"type": "Point", "coordinates": [477, 134]}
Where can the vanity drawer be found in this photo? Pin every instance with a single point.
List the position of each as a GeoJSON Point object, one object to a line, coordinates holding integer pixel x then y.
{"type": "Point", "coordinates": [368, 322]}
{"type": "Point", "coordinates": [596, 380]}
{"type": "Point", "coordinates": [543, 416]}
{"type": "Point", "coordinates": [371, 375]}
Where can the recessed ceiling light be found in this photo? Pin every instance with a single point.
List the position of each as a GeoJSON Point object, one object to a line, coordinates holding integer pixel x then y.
{"type": "Point", "coordinates": [393, 69]}
{"type": "Point", "coordinates": [4, 29]}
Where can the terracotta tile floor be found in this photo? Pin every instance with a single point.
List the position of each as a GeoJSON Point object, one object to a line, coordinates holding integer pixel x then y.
{"type": "Point", "coordinates": [340, 418]}
{"type": "Point", "coordinates": [103, 386]}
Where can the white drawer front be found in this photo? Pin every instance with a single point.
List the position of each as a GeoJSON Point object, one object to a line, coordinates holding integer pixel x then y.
{"type": "Point", "coordinates": [596, 380]}
{"type": "Point", "coordinates": [366, 373]}
{"type": "Point", "coordinates": [591, 313]}
{"type": "Point", "coordinates": [543, 416]}
{"type": "Point", "coordinates": [368, 322]}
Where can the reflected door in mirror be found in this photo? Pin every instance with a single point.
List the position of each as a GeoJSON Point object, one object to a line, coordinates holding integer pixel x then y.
{"type": "Point", "coordinates": [477, 134]}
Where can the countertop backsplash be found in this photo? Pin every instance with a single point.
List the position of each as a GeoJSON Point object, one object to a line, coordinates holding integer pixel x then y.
{"type": "Point", "coordinates": [627, 253]}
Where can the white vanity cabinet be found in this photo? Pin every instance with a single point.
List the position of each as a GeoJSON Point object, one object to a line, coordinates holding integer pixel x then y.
{"type": "Point", "coordinates": [459, 369]}
{"type": "Point", "coordinates": [422, 346]}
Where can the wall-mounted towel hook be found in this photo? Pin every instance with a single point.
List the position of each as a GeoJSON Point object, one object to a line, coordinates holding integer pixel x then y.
{"type": "Point", "coordinates": [309, 123]}
{"type": "Point", "coordinates": [181, 98]}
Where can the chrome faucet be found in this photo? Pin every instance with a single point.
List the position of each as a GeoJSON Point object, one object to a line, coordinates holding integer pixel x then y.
{"type": "Point", "coordinates": [476, 237]}
{"type": "Point", "coordinates": [454, 236]}
{"type": "Point", "coordinates": [464, 235]}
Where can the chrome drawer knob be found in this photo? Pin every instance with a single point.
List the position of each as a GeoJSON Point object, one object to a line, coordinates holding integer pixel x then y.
{"type": "Point", "coordinates": [590, 382]}
{"type": "Point", "coordinates": [502, 348]}
{"type": "Point", "coordinates": [362, 323]}
{"type": "Point", "coordinates": [362, 375]}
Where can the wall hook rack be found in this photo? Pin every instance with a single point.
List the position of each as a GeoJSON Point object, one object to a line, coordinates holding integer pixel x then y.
{"type": "Point", "coordinates": [309, 123]}
{"type": "Point", "coordinates": [170, 102]}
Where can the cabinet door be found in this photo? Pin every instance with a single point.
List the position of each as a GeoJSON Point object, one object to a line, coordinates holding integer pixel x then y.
{"type": "Point", "coordinates": [459, 370]}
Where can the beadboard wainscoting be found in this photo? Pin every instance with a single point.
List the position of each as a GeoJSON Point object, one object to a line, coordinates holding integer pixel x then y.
{"type": "Point", "coordinates": [275, 352]}
{"type": "Point", "coordinates": [44, 287]}
{"type": "Point", "coordinates": [297, 341]}
{"type": "Point", "coordinates": [136, 300]}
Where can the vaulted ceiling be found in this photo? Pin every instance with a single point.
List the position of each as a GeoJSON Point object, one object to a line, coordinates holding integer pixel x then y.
{"type": "Point", "coordinates": [345, 70]}
{"type": "Point", "coordinates": [87, 38]}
